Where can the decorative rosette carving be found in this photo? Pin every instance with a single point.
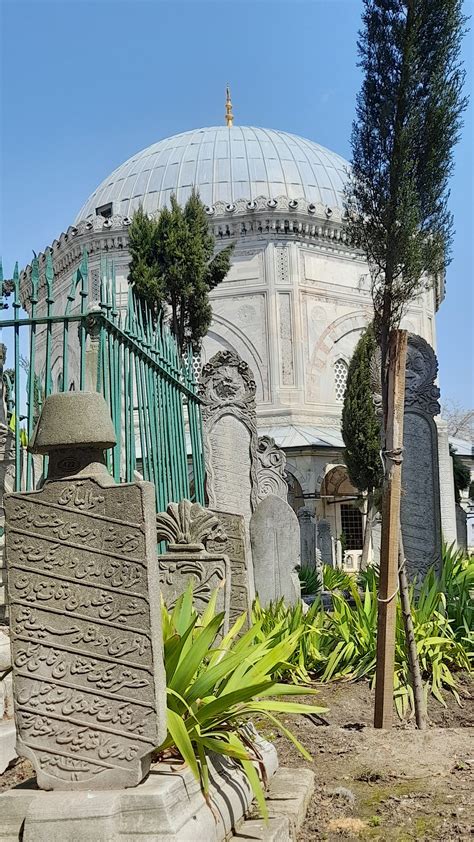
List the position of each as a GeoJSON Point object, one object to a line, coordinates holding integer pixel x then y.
{"type": "Point", "coordinates": [226, 380]}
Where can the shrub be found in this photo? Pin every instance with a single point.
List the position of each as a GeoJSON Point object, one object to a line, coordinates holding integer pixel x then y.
{"type": "Point", "coordinates": [310, 579]}
{"type": "Point", "coordinates": [214, 687]}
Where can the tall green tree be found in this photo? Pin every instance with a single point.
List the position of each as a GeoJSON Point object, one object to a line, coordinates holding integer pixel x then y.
{"type": "Point", "coordinates": [174, 267]}
{"type": "Point", "coordinates": [408, 118]}
{"type": "Point", "coordinates": [361, 430]}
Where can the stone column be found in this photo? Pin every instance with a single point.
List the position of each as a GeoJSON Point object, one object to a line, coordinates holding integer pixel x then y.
{"type": "Point", "coordinates": [88, 673]}
{"type": "Point", "coordinates": [446, 484]}
{"type": "Point", "coordinates": [308, 536]}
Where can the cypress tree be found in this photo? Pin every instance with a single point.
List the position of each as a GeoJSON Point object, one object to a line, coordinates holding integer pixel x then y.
{"type": "Point", "coordinates": [361, 430]}
{"type": "Point", "coordinates": [173, 267]}
{"type": "Point", "coordinates": [408, 118]}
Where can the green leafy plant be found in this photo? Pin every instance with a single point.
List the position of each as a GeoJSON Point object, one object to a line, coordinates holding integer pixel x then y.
{"type": "Point", "coordinates": [279, 622]}
{"type": "Point", "coordinates": [309, 579]}
{"type": "Point", "coordinates": [214, 687]}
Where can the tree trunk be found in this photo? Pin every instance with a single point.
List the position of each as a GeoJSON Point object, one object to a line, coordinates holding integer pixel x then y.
{"type": "Point", "coordinates": [388, 580]}
{"type": "Point", "coordinates": [417, 684]}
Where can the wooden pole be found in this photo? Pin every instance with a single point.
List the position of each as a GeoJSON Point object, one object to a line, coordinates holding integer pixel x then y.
{"type": "Point", "coordinates": [388, 585]}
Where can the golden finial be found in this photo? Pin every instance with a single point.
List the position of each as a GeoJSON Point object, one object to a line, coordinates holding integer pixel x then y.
{"type": "Point", "coordinates": [229, 117]}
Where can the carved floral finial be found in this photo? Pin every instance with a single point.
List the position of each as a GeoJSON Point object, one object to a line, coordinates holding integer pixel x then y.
{"type": "Point", "coordinates": [188, 526]}
{"type": "Point", "coordinates": [229, 116]}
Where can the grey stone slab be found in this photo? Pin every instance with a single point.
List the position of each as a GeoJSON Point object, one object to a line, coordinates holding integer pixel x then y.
{"type": "Point", "coordinates": [168, 806]}
{"type": "Point", "coordinates": [234, 547]}
{"type": "Point", "coordinates": [289, 795]}
{"type": "Point", "coordinates": [88, 674]}
{"type": "Point", "coordinates": [276, 829]}
{"type": "Point", "coordinates": [275, 540]}
{"type": "Point", "coordinates": [308, 536]}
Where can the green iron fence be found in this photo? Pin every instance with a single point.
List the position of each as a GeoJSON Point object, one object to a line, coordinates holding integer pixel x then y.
{"type": "Point", "coordinates": [76, 342]}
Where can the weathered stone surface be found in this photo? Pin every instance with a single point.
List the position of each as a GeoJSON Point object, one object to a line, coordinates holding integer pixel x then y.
{"type": "Point", "coordinates": [234, 547]}
{"type": "Point", "coordinates": [168, 806]}
{"type": "Point", "coordinates": [227, 391]}
{"type": "Point", "coordinates": [271, 462]}
{"type": "Point", "coordinates": [308, 536]}
{"type": "Point", "coordinates": [88, 674]}
{"type": "Point", "coordinates": [187, 527]}
{"type": "Point", "coordinates": [325, 541]}
{"type": "Point", "coordinates": [420, 513]}
{"type": "Point", "coordinates": [275, 540]}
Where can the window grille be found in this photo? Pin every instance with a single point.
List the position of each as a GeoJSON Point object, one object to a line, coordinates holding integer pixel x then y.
{"type": "Point", "coordinates": [351, 523]}
{"type": "Point", "coordinates": [340, 379]}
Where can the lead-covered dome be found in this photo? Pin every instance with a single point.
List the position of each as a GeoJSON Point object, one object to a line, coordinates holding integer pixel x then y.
{"type": "Point", "coordinates": [225, 163]}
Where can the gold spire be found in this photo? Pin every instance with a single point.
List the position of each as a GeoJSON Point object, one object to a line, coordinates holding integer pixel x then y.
{"type": "Point", "coordinates": [229, 117]}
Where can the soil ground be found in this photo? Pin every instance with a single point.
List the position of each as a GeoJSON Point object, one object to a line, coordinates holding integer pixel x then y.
{"type": "Point", "coordinates": [401, 784]}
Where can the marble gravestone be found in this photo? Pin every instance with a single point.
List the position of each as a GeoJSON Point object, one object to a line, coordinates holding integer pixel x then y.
{"type": "Point", "coordinates": [234, 546]}
{"type": "Point", "coordinates": [227, 391]}
{"type": "Point", "coordinates": [275, 540]}
{"type": "Point", "coordinates": [420, 513]}
{"type": "Point", "coordinates": [88, 676]}
{"type": "Point", "coordinates": [187, 527]}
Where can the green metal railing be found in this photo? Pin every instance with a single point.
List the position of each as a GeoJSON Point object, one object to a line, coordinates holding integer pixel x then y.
{"type": "Point", "coordinates": [122, 352]}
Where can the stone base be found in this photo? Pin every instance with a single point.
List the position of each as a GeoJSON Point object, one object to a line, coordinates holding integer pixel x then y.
{"type": "Point", "coordinates": [7, 743]}
{"type": "Point", "coordinates": [167, 807]}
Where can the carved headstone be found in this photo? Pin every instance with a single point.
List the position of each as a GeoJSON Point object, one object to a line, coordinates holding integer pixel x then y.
{"type": "Point", "coordinates": [325, 542]}
{"type": "Point", "coordinates": [420, 502]}
{"type": "Point", "coordinates": [275, 540]}
{"type": "Point", "coordinates": [308, 537]}
{"type": "Point", "coordinates": [227, 391]}
{"type": "Point", "coordinates": [234, 547]}
{"type": "Point", "coordinates": [271, 462]}
{"type": "Point", "coordinates": [187, 527]}
{"type": "Point", "coordinates": [88, 675]}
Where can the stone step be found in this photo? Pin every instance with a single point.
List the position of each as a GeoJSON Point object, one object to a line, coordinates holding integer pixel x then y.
{"type": "Point", "coordinates": [289, 796]}
{"type": "Point", "coordinates": [255, 830]}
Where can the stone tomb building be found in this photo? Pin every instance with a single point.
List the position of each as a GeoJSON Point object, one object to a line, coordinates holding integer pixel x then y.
{"type": "Point", "coordinates": [296, 299]}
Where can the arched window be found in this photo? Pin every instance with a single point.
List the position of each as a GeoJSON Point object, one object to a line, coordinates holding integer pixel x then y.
{"type": "Point", "coordinates": [340, 379]}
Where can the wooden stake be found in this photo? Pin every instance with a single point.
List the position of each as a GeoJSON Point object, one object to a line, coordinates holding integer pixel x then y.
{"type": "Point", "coordinates": [388, 586]}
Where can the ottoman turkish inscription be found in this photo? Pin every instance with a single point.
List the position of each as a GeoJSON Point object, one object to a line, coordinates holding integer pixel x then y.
{"type": "Point", "coordinates": [87, 650]}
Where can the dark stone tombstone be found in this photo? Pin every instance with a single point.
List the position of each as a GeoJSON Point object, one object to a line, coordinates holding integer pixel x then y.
{"type": "Point", "coordinates": [420, 502]}
{"type": "Point", "coordinates": [88, 675]}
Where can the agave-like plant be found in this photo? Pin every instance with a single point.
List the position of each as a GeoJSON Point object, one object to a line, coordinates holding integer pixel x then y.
{"type": "Point", "coordinates": [215, 687]}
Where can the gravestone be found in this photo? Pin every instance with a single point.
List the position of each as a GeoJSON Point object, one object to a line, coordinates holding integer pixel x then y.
{"type": "Point", "coordinates": [271, 462]}
{"type": "Point", "coordinates": [187, 527]}
{"type": "Point", "coordinates": [275, 540]}
{"type": "Point", "coordinates": [420, 512]}
{"type": "Point", "coordinates": [88, 675]}
{"type": "Point", "coordinates": [234, 547]}
{"type": "Point", "coordinates": [227, 391]}
{"type": "Point", "coordinates": [325, 542]}
{"type": "Point", "coordinates": [308, 539]}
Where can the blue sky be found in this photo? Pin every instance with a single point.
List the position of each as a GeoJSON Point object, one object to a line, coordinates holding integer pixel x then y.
{"type": "Point", "coordinates": [87, 84]}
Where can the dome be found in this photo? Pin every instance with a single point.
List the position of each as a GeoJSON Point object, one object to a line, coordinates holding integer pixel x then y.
{"type": "Point", "coordinates": [225, 163]}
